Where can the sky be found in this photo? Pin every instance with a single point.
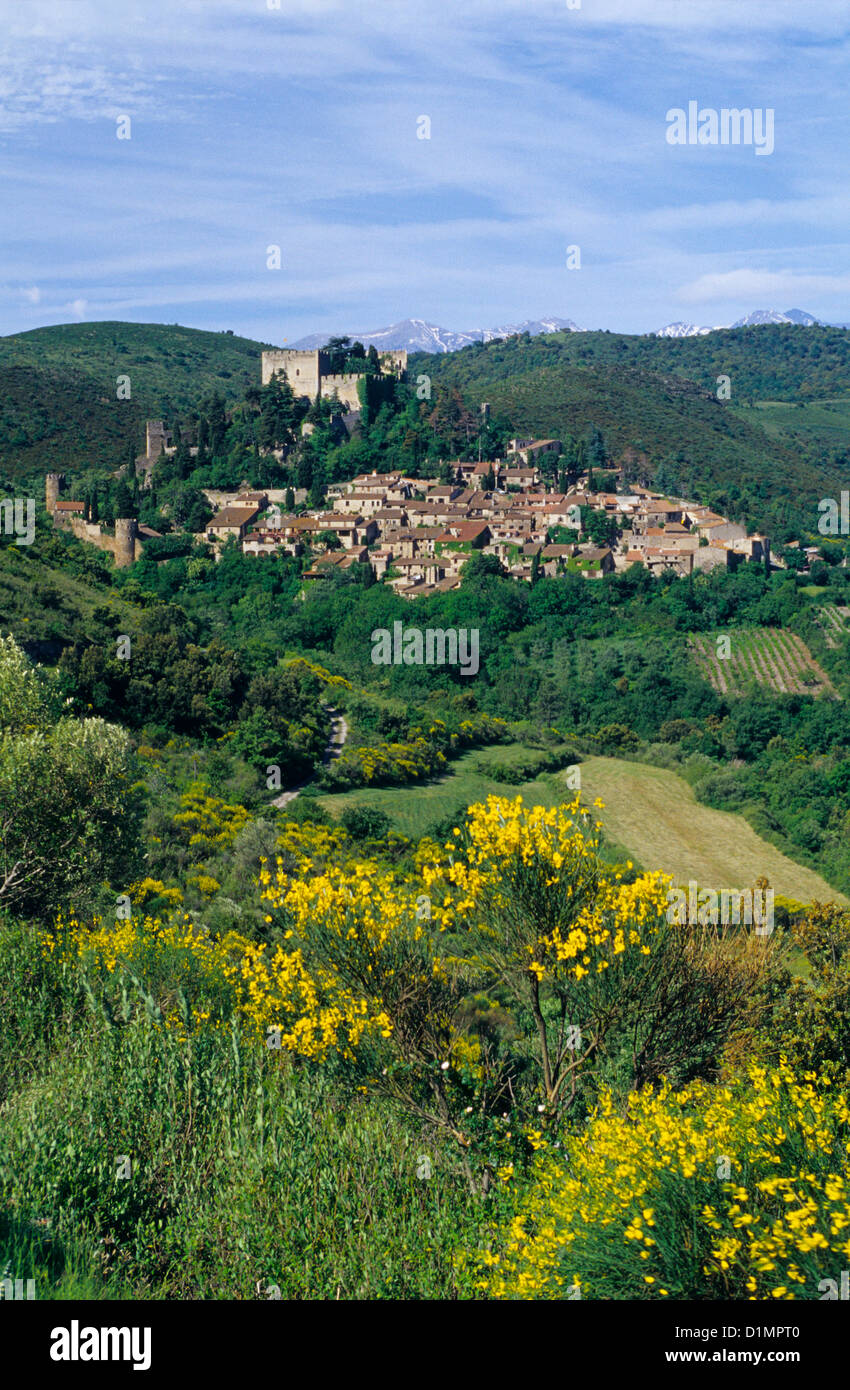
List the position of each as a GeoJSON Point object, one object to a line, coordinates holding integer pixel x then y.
{"type": "Point", "coordinates": [297, 124]}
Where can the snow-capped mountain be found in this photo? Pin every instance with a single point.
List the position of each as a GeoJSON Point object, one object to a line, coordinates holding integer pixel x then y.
{"type": "Point", "coordinates": [417, 335]}
{"type": "Point", "coordinates": [681, 330]}
{"type": "Point", "coordinates": [763, 316]}
{"type": "Point", "coordinates": [755, 320]}
{"type": "Point", "coordinates": [532, 326]}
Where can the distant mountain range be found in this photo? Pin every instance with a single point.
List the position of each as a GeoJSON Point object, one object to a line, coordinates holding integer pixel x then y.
{"type": "Point", "coordinates": [418, 335]}
{"type": "Point", "coordinates": [754, 320]}
{"type": "Point", "coordinates": [682, 330]}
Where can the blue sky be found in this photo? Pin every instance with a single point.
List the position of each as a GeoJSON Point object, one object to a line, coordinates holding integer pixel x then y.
{"type": "Point", "coordinates": [296, 126]}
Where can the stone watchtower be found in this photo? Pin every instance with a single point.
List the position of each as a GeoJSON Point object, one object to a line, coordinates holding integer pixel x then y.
{"type": "Point", "coordinates": [125, 541]}
{"type": "Point", "coordinates": [157, 438]}
{"type": "Point", "coordinates": [52, 487]}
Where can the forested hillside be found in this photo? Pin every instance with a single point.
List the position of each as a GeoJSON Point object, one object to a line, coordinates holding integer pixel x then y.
{"type": "Point", "coordinates": [654, 400]}
{"type": "Point", "coordinates": [59, 405]}
{"type": "Point", "coordinates": [769, 363]}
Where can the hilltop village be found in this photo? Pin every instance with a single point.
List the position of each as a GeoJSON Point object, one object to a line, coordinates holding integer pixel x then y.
{"type": "Point", "coordinates": [416, 534]}
{"type": "Point", "coordinates": [419, 534]}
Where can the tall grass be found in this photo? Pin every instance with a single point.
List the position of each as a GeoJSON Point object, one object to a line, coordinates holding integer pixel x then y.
{"type": "Point", "coordinates": [246, 1169]}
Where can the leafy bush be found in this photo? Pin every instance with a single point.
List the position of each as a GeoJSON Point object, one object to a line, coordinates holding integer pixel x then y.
{"type": "Point", "coordinates": [525, 769]}
{"type": "Point", "coordinates": [617, 738]}
{"type": "Point", "coordinates": [751, 1171]}
{"type": "Point", "coordinates": [69, 811]}
{"type": "Point", "coordinates": [365, 822]}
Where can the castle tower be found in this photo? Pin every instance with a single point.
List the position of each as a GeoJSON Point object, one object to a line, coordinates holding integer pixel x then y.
{"type": "Point", "coordinates": [52, 485]}
{"type": "Point", "coordinates": [125, 541]}
{"type": "Point", "coordinates": [303, 370]}
{"type": "Point", "coordinates": [157, 438]}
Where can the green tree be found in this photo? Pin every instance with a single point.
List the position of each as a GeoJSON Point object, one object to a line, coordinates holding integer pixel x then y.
{"type": "Point", "coordinates": [69, 817]}
{"type": "Point", "coordinates": [122, 499]}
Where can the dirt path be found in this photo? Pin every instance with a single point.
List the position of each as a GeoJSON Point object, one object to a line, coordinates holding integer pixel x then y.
{"type": "Point", "coordinates": [333, 748]}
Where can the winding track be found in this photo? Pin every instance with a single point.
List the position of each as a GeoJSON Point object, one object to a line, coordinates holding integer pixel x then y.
{"type": "Point", "coordinates": [333, 748]}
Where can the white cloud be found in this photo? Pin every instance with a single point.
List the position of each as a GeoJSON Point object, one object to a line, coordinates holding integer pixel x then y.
{"type": "Point", "coordinates": [48, 17]}
{"type": "Point", "coordinates": [721, 16]}
{"type": "Point", "coordinates": [747, 285]}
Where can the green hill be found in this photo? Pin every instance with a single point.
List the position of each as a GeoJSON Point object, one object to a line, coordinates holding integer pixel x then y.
{"type": "Point", "coordinates": [769, 363]}
{"type": "Point", "coordinates": [655, 400]}
{"type": "Point", "coordinates": [57, 591]}
{"type": "Point", "coordinates": [58, 388]}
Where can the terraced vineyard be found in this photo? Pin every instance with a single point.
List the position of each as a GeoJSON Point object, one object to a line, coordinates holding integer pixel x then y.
{"type": "Point", "coordinates": [764, 656]}
{"type": "Point", "coordinates": [835, 622]}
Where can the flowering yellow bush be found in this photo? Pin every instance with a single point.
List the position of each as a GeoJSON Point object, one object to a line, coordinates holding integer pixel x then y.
{"type": "Point", "coordinates": [546, 861]}
{"type": "Point", "coordinates": [522, 890]}
{"type": "Point", "coordinates": [316, 1015]}
{"type": "Point", "coordinates": [386, 762]}
{"type": "Point", "coordinates": [357, 918]}
{"type": "Point", "coordinates": [267, 988]}
{"type": "Point", "coordinates": [520, 895]}
{"type": "Point", "coordinates": [312, 844]}
{"type": "Point", "coordinates": [733, 1191]}
{"type": "Point", "coordinates": [205, 883]}
{"type": "Point", "coordinates": [148, 888]}
{"type": "Point", "coordinates": [339, 894]}
{"type": "Point", "coordinates": [206, 821]}
{"type": "Point", "coordinates": [301, 664]}
{"type": "Point", "coordinates": [362, 931]}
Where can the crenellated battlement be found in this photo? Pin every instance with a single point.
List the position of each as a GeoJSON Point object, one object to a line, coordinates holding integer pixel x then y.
{"type": "Point", "coordinates": [309, 373]}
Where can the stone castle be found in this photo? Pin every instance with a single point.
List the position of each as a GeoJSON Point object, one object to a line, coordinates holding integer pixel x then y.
{"type": "Point", "coordinates": [309, 374]}
{"type": "Point", "coordinates": [71, 516]}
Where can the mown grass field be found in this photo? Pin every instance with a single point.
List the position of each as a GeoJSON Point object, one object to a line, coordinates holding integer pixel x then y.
{"type": "Point", "coordinates": [415, 811]}
{"type": "Point", "coordinates": [650, 817]}
{"type": "Point", "coordinates": [766, 656]}
{"type": "Point", "coordinates": [656, 815]}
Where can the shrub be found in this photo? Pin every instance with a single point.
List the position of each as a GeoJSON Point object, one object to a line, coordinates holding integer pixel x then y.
{"type": "Point", "coordinates": [69, 809]}
{"type": "Point", "coordinates": [674, 730]}
{"type": "Point", "coordinates": [365, 823]}
{"type": "Point", "coordinates": [751, 1171]}
{"type": "Point", "coordinates": [617, 738]}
